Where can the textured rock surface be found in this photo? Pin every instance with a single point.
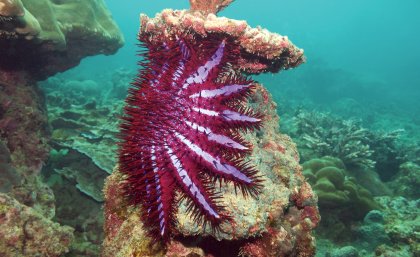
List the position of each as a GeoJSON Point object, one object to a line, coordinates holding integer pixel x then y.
{"type": "Point", "coordinates": [279, 223]}
{"type": "Point", "coordinates": [25, 232]}
{"type": "Point", "coordinates": [402, 223]}
{"type": "Point", "coordinates": [9, 178]}
{"type": "Point", "coordinates": [23, 124]}
{"type": "Point", "coordinates": [372, 233]}
{"type": "Point", "coordinates": [347, 251]}
{"type": "Point", "coordinates": [407, 181]}
{"type": "Point", "coordinates": [209, 6]}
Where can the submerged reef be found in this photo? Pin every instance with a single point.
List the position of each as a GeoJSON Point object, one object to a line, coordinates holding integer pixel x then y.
{"type": "Point", "coordinates": [391, 231]}
{"type": "Point", "coordinates": [279, 221]}
{"type": "Point", "coordinates": [39, 38]}
{"type": "Point", "coordinates": [84, 122]}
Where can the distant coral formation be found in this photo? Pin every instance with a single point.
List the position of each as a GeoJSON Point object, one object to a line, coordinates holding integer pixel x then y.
{"type": "Point", "coordinates": [321, 134]}
{"type": "Point", "coordinates": [339, 138]}
{"type": "Point", "coordinates": [336, 189]}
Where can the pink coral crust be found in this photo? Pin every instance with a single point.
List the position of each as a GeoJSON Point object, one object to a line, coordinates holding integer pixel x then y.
{"type": "Point", "coordinates": [261, 50]}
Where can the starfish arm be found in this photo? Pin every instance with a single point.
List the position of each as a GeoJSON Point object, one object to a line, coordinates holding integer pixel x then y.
{"type": "Point", "coordinates": [202, 198]}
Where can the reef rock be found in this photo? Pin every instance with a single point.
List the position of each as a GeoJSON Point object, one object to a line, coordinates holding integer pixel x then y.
{"type": "Point", "coordinates": [9, 178]}
{"type": "Point", "coordinates": [24, 232]}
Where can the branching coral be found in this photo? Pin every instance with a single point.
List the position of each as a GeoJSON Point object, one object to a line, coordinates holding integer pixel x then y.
{"type": "Point", "coordinates": [321, 134]}
{"type": "Point", "coordinates": [325, 135]}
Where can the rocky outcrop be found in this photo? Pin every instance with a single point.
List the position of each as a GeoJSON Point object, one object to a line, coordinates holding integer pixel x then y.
{"type": "Point", "coordinates": [39, 38]}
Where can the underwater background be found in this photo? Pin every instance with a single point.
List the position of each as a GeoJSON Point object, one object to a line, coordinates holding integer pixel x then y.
{"type": "Point", "coordinates": [352, 109]}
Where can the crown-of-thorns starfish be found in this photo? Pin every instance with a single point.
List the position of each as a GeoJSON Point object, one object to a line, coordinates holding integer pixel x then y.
{"type": "Point", "coordinates": [181, 133]}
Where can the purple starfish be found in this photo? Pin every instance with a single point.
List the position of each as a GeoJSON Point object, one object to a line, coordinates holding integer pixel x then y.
{"type": "Point", "coordinates": [181, 133]}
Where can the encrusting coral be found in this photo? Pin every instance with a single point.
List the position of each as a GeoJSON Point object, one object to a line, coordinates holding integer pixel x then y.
{"type": "Point", "coordinates": [260, 50]}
